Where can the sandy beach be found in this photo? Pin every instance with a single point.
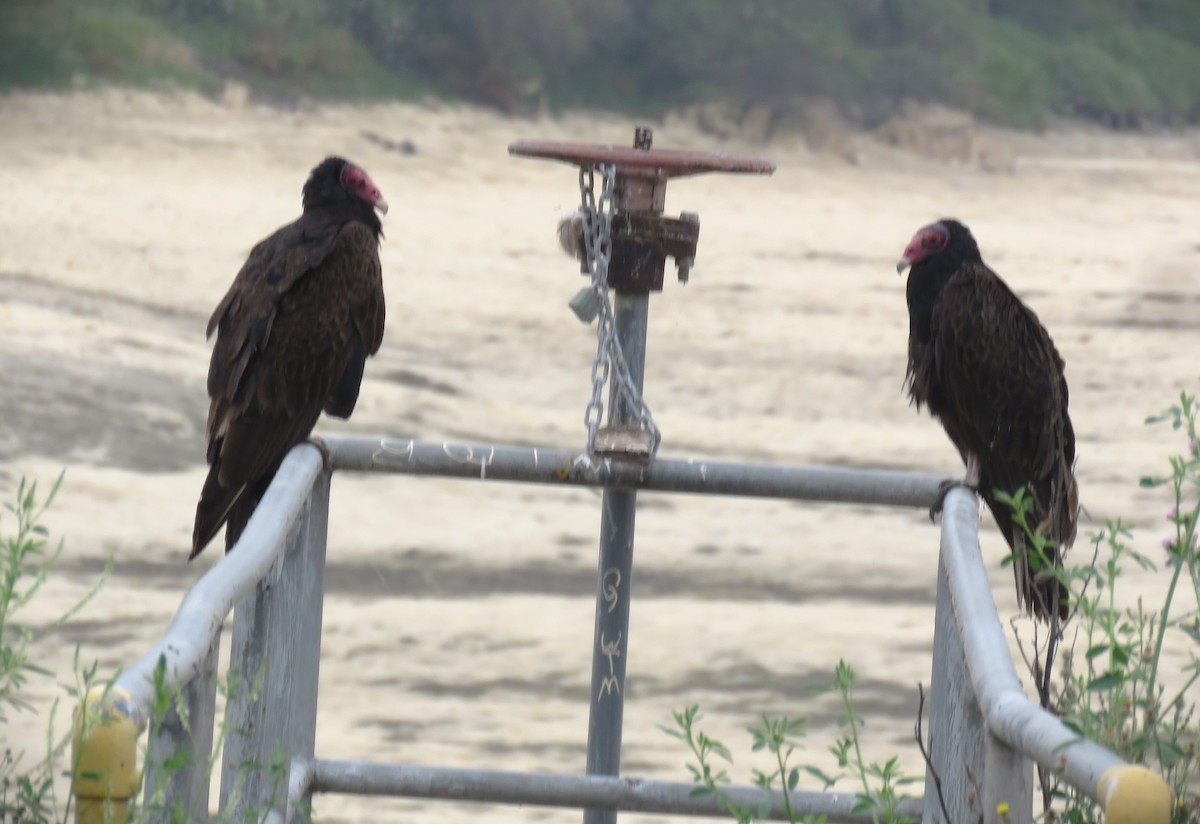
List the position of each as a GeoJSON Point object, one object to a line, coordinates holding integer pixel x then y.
{"type": "Point", "coordinates": [458, 617]}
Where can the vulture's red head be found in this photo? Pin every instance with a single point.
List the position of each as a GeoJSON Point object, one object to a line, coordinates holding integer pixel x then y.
{"type": "Point", "coordinates": [947, 236]}
{"type": "Point", "coordinates": [337, 182]}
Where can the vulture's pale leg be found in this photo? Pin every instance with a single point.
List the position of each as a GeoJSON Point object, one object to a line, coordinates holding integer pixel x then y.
{"type": "Point", "coordinates": [970, 481]}
{"type": "Point", "coordinates": [326, 458]}
{"type": "Point", "coordinates": [973, 471]}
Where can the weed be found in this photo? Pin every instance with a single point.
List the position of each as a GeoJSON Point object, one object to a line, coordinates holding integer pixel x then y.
{"type": "Point", "coordinates": [880, 795]}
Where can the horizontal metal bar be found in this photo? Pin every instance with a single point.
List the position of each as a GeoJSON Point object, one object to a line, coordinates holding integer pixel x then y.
{"type": "Point", "coordinates": [186, 642]}
{"type": "Point", "coordinates": [1009, 714]}
{"type": "Point", "coordinates": [582, 791]}
{"type": "Point", "coordinates": [497, 462]}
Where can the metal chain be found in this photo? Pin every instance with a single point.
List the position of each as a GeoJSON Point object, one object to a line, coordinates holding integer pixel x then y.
{"type": "Point", "coordinates": [597, 241]}
{"type": "Point", "coordinates": [610, 360]}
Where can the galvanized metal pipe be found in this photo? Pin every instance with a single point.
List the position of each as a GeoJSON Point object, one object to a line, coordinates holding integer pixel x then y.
{"type": "Point", "coordinates": [614, 575]}
{"type": "Point", "coordinates": [555, 790]}
{"type": "Point", "coordinates": [1013, 718]}
{"type": "Point", "coordinates": [299, 787]}
{"type": "Point", "coordinates": [543, 465]}
{"type": "Point", "coordinates": [185, 737]}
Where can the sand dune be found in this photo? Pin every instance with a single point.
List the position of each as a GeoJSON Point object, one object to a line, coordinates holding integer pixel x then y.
{"type": "Point", "coordinates": [459, 616]}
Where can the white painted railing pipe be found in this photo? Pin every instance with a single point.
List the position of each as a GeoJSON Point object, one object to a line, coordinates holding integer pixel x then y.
{"type": "Point", "coordinates": [199, 617]}
{"type": "Point", "coordinates": [1009, 714]}
{"type": "Point", "coordinates": [112, 717]}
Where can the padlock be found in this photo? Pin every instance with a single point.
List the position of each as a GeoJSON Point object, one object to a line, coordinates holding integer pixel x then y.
{"type": "Point", "coordinates": [586, 304]}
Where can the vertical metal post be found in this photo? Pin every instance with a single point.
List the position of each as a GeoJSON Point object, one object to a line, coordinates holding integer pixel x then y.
{"type": "Point", "coordinates": [615, 572]}
{"type": "Point", "coordinates": [186, 788]}
{"type": "Point", "coordinates": [272, 715]}
{"type": "Point", "coordinates": [980, 775]}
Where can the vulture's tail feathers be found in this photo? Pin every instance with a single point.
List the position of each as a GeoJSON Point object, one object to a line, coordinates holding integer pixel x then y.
{"type": "Point", "coordinates": [240, 512]}
{"type": "Point", "coordinates": [1038, 590]}
{"type": "Point", "coordinates": [214, 509]}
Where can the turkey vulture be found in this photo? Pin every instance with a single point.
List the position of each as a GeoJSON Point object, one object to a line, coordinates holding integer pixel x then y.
{"type": "Point", "coordinates": [987, 369]}
{"type": "Point", "coordinates": [293, 334]}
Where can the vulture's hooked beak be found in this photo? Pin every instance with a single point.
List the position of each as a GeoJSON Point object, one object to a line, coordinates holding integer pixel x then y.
{"type": "Point", "coordinates": [381, 205]}
{"type": "Point", "coordinates": [901, 265]}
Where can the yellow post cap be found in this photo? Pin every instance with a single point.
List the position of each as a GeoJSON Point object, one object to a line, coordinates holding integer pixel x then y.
{"type": "Point", "coordinates": [1132, 794]}
{"type": "Point", "coordinates": [104, 755]}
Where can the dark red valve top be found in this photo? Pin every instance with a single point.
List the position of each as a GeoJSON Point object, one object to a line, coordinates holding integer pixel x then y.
{"type": "Point", "coordinates": [642, 238]}
{"type": "Point", "coordinates": [662, 162]}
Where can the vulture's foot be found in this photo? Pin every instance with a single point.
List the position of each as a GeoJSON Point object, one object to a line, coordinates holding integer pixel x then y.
{"type": "Point", "coordinates": [943, 490]}
{"type": "Point", "coordinates": [326, 458]}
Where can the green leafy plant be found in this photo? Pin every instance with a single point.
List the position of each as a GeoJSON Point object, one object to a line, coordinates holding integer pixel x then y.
{"type": "Point", "coordinates": [25, 568]}
{"type": "Point", "coordinates": [778, 736]}
{"type": "Point", "coordinates": [880, 795]}
{"type": "Point", "coordinates": [1114, 692]}
{"type": "Point", "coordinates": [710, 777]}
{"type": "Point", "coordinates": [27, 790]}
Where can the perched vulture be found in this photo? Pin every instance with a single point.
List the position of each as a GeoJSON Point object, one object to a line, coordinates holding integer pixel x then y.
{"type": "Point", "coordinates": [293, 334]}
{"type": "Point", "coordinates": [985, 366]}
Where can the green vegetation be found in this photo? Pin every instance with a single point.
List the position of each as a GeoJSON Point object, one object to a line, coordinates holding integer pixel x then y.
{"type": "Point", "coordinates": [28, 792]}
{"type": "Point", "coordinates": [877, 786]}
{"type": "Point", "coordinates": [1009, 61]}
{"type": "Point", "coordinates": [1111, 687]}
{"type": "Point", "coordinates": [1113, 691]}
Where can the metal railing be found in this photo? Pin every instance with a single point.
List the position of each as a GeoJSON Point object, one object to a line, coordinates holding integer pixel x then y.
{"type": "Point", "coordinates": [984, 729]}
{"type": "Point", "coordinates": [984, 732]}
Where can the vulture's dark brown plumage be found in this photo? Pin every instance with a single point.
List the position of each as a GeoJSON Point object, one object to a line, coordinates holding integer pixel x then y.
{"type": "Point", "coordinates": [293, 334]}
{"type": "Point", "coordinates": [987, 369]}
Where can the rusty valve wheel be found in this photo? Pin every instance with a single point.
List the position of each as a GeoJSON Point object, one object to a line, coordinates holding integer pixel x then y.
{"type": "Point", "coordinates": [642, 237]}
